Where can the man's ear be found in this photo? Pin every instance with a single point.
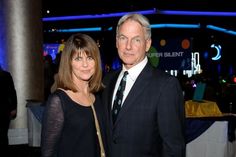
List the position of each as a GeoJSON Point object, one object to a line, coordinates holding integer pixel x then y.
{"type": "Point", "coordinates": [148, 44]}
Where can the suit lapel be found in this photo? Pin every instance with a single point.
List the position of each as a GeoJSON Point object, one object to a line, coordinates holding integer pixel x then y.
{"type": "Point", "coordinates": [140, 84]}
{"type": "Point", "coordinates": [110, 90]}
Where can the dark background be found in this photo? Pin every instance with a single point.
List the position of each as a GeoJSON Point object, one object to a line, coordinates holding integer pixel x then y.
{"type": "Point", "coordinates": [201, 38]}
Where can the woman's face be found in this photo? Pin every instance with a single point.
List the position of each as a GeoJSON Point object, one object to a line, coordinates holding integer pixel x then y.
{"type": "Point", "coordinates": [131, 43]}
{"type": "Point", "coordinates": [83, 67]}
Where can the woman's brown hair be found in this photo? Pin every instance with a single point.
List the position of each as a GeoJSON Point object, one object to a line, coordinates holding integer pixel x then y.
{"type": "Point", "coordinates": [75, 45]}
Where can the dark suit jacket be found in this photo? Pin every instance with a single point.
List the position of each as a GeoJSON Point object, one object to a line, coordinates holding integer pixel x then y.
{"type": "Point", "coordinates": [8, 99]}
{"type": "Point", "coordinates": [151, 121]}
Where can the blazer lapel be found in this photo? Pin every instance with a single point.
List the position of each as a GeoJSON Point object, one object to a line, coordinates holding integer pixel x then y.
{"type": "Point", "coordinates": [140, 84]}
{"type": "Point", "coordinates": [110, 90]}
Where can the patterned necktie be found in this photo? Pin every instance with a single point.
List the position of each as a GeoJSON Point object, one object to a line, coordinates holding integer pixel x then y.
{"type": "Point", "coordinates": [118, 98]}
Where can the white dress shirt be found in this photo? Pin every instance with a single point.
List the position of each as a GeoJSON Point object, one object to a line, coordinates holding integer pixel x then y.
{"type": "Point", "coordinates": [131, 78]}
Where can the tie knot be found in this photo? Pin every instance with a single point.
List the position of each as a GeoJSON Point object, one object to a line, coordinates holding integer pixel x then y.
{"type": "Point", "coordinates": [125, 73]}
{"type": "Point", "coordinates": [124, 76]}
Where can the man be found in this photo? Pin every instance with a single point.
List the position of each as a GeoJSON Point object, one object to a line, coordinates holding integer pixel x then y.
{"type": "Point", "coordinates": [8, 101]}
{"type": "Point", "coordinates": [149, 120]}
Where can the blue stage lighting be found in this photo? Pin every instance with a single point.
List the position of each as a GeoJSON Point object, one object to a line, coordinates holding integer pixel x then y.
{"type": "Point", "coordinates": [97, 16]}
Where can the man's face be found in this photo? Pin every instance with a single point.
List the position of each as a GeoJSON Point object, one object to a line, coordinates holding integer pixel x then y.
{"type": "Point", "coordinates": [131, 43]}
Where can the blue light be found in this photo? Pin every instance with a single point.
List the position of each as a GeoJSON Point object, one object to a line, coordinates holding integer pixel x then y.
{"type": "Point", "coordinates": [92, 29]}
{"type": "Point", "coordinates": [221, 29]}
{"type": "Point", "coordinates": [197, 13]}
{"type": "Point", "coordinates": [205, 54]}
{"type": "Point", "coordinates": [144, 12]}
{"type": "Point", "coordinates": [96, 16]}
{"type": "Point", "coordinates": [218, 50]}
{"type": "Point", "coordinates": [3, 54]}
{"type": "Point", "coordinates": [51, 49]}
{"type": "Point", "coordinates": [175, 26]}
{"type": "Point", "coordinates": [110, 28]}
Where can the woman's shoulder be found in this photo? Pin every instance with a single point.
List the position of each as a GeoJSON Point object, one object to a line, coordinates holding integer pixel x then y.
{"type": "Point", "coordinates": [56, 95]}
{"type": "Point", "coordinates": [59, 92]}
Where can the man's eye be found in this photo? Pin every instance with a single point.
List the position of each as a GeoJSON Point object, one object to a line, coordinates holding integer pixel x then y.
{"type": "Point", "coordinates": [137, 40]}
{"type": "Point", "coordinates": [122, 38]}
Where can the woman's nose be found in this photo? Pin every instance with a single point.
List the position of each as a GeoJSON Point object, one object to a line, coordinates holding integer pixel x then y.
{"type": "Point", "coordinates": [85, 62]}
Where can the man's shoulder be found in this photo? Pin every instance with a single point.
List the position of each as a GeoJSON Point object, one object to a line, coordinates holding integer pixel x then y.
{"type": "Point", "coordinates": [5, 77]}
{"type": "Point", "coordinates": [161, 75]}
{"type": "Point", "coordinates": [3, 71]}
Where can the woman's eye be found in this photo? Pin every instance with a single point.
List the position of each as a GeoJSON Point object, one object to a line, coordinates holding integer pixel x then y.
{"type": "Point", "coordinates": [90, 58]}
{"type": "Point", "coordinates": [78, 58]}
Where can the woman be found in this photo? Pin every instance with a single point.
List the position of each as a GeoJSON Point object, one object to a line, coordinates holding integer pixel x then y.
{"type": "Point", "coordinates": [68, 128]}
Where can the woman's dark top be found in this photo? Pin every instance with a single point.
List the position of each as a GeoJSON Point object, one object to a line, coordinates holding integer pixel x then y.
{"type": "Point", "coordinates": [68, 128]}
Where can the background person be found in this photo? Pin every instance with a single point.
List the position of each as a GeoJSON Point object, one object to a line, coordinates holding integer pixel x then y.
{"type": "Point", "coordinates": [8, 111]}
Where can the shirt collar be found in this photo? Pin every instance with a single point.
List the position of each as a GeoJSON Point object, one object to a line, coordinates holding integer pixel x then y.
{"type": "Point", "coordinates": [135, 70]}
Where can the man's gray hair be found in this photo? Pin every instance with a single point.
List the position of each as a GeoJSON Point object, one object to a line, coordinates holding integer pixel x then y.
{"type": "Point", "coordinates": [136, 17]}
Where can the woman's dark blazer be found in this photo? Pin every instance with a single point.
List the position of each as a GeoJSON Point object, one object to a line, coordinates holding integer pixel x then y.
{"type": "Point", "coordinates": [151, 121]}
